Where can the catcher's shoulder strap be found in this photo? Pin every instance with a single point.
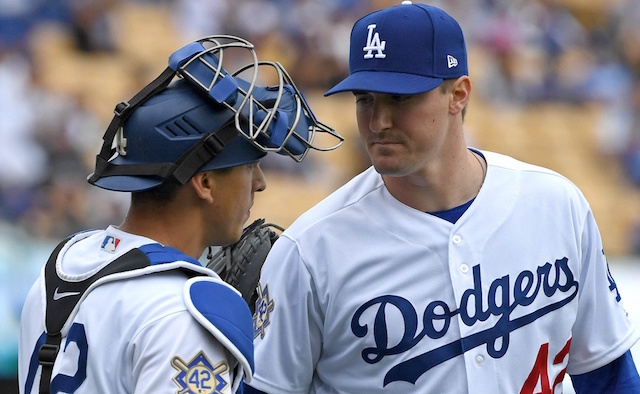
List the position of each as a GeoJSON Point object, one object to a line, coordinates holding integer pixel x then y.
{"type": "Point", "coordinates": [228, 319]}
{"type": "Point", "coordinates": [63, 296]}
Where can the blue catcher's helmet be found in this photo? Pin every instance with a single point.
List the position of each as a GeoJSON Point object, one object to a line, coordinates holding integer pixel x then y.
{"type": "Point", "coordinates": [166, 126]}
{"type": "Point", "coordinates": [207, 119]}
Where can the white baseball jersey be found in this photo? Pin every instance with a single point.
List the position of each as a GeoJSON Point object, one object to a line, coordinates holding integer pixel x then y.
{"type": "Point", "coordinates": [162, 328]}
{"type": "Point", "coordinates": [363, 294]}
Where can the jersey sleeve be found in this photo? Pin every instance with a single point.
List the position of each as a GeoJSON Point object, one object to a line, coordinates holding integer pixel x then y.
{"type": "Point", "coordinates": [602, 331]}
{"type": "Point", "coordinates": [287, 323]}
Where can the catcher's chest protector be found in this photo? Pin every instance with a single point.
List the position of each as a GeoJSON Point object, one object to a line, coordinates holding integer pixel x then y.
{"type": "Point", "coordinates": [67, 295]}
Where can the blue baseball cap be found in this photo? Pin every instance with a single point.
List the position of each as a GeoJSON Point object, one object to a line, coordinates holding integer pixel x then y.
{"type": "Point", "coordinates": [404, 49]}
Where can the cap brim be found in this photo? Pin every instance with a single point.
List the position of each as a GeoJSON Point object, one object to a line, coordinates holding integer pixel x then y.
{"type": "Point", "coordinates": [385, 82]}
{"type": "Point", "coordinates": [122, 183]}
{"type": "Point", "coordinates": [237, 152]}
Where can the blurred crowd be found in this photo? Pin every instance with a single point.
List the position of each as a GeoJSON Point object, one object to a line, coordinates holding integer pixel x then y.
{"type": "Point", "coordinates": [530, 51]}
{"type": "Point", "coordinates": [521, 52]}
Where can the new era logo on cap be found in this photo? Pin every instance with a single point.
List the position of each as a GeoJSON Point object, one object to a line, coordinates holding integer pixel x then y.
{"type": "Point", "coordinates": [451, 61]}
{"type": "Point", "coordinates": [404, 49]}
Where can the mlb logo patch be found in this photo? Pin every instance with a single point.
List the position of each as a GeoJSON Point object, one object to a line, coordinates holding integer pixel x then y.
{"type": "Point", "coordinates": [110, 244]}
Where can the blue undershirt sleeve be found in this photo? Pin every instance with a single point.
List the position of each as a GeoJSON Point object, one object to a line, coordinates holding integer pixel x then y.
{"type": "Point", "coordinates": [617, 377]}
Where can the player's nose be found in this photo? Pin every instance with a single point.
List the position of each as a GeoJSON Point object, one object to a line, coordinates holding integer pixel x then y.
{"type": "Point", "coordinates": [380, 117]}
{"type": "Point", "coordinates": [259, 180]}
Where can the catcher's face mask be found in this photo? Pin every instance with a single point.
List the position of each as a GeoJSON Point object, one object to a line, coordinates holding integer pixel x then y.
{"type": "Point", "coordinates": [206, 119]}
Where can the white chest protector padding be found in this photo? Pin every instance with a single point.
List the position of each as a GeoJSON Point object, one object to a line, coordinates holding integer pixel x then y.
{"type": "Point", "coordinates": [222, 311]}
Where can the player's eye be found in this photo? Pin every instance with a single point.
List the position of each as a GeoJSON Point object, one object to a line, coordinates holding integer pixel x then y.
{"type": "Point", "coordinates": [363, 99]}
{"type": "Point", "coordinates": [400, 97]}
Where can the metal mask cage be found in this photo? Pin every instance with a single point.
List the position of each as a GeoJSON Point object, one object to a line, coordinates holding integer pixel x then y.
{"type": "Point", "coordinates": [259, 116]}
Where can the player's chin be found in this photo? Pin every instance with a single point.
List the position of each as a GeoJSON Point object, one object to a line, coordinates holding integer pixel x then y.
{"type": "Point", "coordinates": [388, 165]}
{"type": "Point", "coordinates": [233, 235]}
{"type": "Point", "coordinates": [232, 230]}
{"type": "Point", "coordinates": [246, 217]}
{"type": "Point", "coordinates": [240, 225]}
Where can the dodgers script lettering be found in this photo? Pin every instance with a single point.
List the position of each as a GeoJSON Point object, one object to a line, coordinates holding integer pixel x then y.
{"type": "Point", "coordinates": [502, 299]}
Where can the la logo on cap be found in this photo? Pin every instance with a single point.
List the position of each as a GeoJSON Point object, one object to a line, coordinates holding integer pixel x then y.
{"type": "Point", "coordinates": [374, 44]}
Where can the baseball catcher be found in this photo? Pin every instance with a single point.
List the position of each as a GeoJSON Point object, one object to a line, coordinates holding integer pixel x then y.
{"type": "Point", "coordinates": [134, 296]}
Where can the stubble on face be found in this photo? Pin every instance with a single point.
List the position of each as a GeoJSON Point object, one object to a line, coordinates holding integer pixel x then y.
{"type": "Point", "coordinates": [414, 131]}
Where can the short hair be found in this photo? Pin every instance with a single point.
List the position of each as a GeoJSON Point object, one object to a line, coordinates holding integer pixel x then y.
{"type": "Point", "coordinates": [164, 193]}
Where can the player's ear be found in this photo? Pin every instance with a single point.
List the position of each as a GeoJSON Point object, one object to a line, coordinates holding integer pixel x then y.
{"type": "Point", "coordinates": [203, 184]}
{"type": "Point", "coordinates": [460, 94]}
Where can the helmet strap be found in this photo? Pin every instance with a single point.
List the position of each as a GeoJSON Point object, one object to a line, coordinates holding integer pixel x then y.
{"type": "Point", "coordinates": [201, 153]}
{"type": "Point", "coordinates": [208, 147]}
{"type": "Point", "coordinates": [122, 112]}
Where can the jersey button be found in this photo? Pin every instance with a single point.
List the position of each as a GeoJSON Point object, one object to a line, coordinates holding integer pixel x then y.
{"type": "Point", "coordinates": [479, 360]}
{"type": "Point", "coordinates": [457, 239]}
{"type": "Point", "coordinates": [464, 268]}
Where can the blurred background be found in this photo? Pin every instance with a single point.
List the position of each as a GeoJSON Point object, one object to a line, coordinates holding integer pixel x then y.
{"type": "Point", "coordinates": [556, 83]}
